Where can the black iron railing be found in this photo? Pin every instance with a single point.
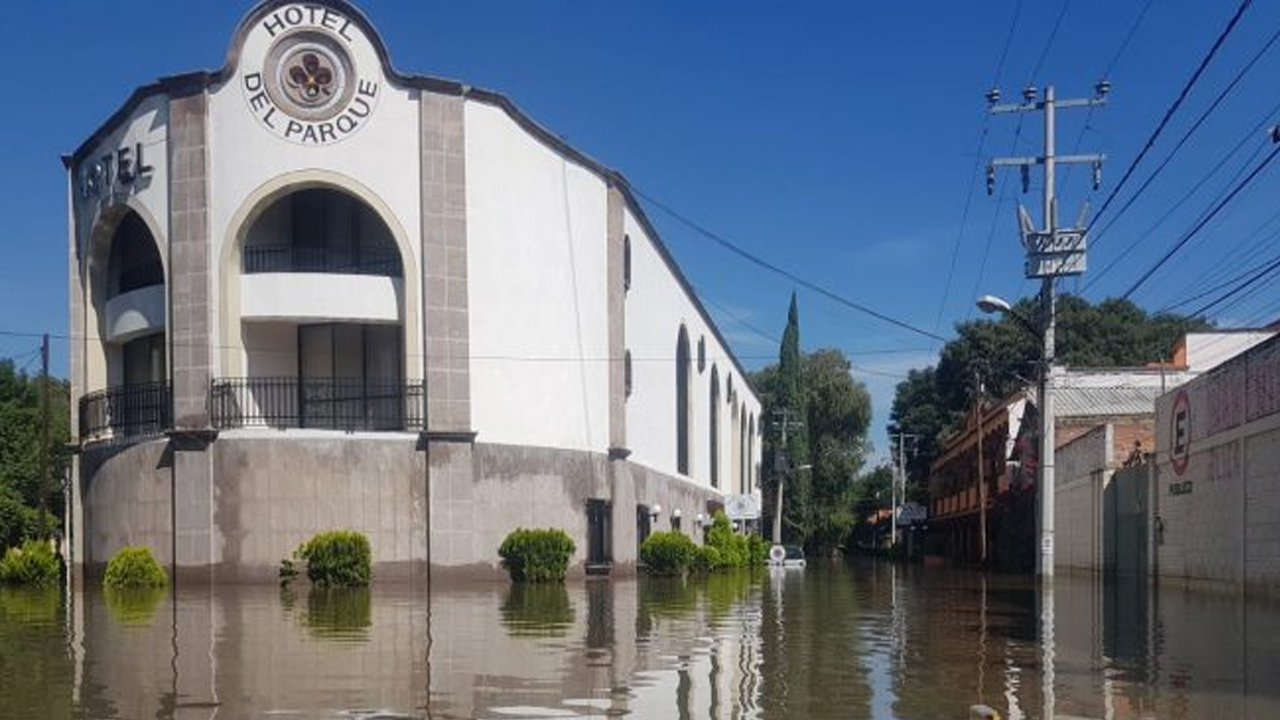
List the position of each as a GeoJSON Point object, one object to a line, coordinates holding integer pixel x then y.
{"type": "Point", "coordinates": [126, 412]}
{"type": "Point", "coordinates": [329, 403]}
{"type": "Point", "coordinates": [301, 259]}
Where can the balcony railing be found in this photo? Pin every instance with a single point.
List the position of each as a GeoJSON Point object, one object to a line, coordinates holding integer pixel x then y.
{"type": "Point", "coordinates": [330, 403]}
{"type": "Point", "coordinates": [126, 412]}
{"type": "Point", "coordinates": [300, 259]}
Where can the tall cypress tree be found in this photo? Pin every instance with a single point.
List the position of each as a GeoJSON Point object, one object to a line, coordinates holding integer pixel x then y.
{"type": "Point", "coordinates": [791, 404]}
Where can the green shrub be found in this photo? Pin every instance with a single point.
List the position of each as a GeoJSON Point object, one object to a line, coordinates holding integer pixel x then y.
{"type": "Point", "coordinates": [757, 550]}
{"type": "Point", "coordinates": [667, 553]}
{"type": "Point", "coordinates": [34, 563]}
{"type": "Point", "coordinates": [134, 567]}
{"type": "Point", "coordinates": [536, 555]}
{"type": "Point", "coordinates": [707, 558]}
{"type": "Point", "coordinates": [338, 558]}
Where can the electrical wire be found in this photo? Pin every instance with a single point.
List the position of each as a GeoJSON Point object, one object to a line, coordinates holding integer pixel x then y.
{"type": "Point", "coordinates": [1178, 204]}
{"type": "Point", "coordinates": [778, 270]}
{"type": "Point", "coordinates": [1217, 101]}
{"type": "Point", "coordinates": [977, 167]}
{"type": "Point", "coordinates": [1200, 225]}
{"type": "Point", "coordinates": [1173, 108]}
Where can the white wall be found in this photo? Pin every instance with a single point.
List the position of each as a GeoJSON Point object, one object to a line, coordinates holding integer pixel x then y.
{"type": "Point", "coordinates": [537, 290]}
{"type": "Point", "coordinates": [243, 156]}
{"type": "Point", "coordinates": [1209, 349]}
{"type": "Point", "coordinates": [320, 297]}
{"type": "Point", "coordinates": [656, 306]}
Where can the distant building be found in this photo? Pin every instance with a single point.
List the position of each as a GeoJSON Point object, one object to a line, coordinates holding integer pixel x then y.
{"type": "Point", "coordinates": [1103, 416]}
{"type": "Point", "coordinates": [311, 292]}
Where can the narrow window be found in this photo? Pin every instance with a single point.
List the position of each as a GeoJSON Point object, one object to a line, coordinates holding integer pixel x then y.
{"type": "Point", "coordinates": [626, 372]}
{"type": "Point", "coordinates": [714, 440]}
{"type": "Point", "coordinates": [702, 353]}
{"type": "Point", "coordinates": [626, 262]}
{"type": "Point", "coordinates": [683, 371]}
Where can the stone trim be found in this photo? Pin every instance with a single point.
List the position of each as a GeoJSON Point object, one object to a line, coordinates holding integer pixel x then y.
{"type": "Point", "coordinates": [446, 314]}
{"type": "Point", "coordinates": [450, 436]}
{"type": "Point", "coordinates": [189, 326]}
{"type": "Point", "coordinates": [615, 261]}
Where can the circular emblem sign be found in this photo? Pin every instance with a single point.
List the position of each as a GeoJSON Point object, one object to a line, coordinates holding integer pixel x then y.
{"type": "Point", "coordinates": [1180, 432]}
{"type": "Point", "coordinates": [308, 89]}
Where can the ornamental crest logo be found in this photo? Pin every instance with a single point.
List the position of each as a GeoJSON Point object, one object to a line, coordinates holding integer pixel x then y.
{"type": "Point", "coordinates": [308, 90]}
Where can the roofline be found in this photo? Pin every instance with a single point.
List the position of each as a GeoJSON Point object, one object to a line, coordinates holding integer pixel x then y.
{"type": "Point", "coordinates": [201, 80]}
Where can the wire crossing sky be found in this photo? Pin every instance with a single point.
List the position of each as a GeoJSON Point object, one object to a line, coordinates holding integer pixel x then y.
{"type": "Point", "coordinates": [841, 142]}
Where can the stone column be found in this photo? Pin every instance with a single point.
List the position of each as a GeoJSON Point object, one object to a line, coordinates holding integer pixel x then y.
{"type": "Point", "coordinates": [448, 436]}
{"type": "Point", "coordinates": [189, 331]}
{"type": "Point", "coordinates": [623, 494]}
{"type": "Point", "coordinates": [444, 268]}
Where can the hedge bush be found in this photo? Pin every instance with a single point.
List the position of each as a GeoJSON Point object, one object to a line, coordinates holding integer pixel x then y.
{"type": "Point", "coordinates": [338, 558]}
{"type": "Point", "coordinates": [33, 563]}
{"type": "Point", "coordinates": [536, 555]}
{"type": "Point", "coordinates": [668, 553]}
{"type": "Point", "coordinates": [134, 567]}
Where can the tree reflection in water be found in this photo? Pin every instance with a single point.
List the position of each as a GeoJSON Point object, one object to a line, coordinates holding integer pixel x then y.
{"type": "Point", "coordinates": [134, 606]}
{"type": "Point", "coordinates": [537, 610]}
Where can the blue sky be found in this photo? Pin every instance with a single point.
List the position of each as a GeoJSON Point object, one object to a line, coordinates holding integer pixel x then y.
{"type": "Point", "coordinates": [837, 139]}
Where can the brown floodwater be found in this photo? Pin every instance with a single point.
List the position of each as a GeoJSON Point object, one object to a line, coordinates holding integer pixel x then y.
{"type": "Point", "coordinates": [838, 640]}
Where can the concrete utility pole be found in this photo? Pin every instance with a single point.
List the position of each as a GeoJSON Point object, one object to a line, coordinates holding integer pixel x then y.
{"type": "Point", "coordinates": [44, 435]}
{"type": "Point", "coordinates": [899, 478]}
{"type": "Point", "coordinates": [782, 468]}
{"type": "Point", "coordinates": [1052, 252]}
{"type": "Point", "coordinates": [982, 480]}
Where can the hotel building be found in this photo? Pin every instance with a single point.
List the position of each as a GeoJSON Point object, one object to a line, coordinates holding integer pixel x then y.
{"type": "Point", "coordinates": [308, 291]}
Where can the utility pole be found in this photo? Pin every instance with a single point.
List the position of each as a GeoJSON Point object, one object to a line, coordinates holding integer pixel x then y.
{"type": "Point", "coordinates": [982, 480]}
{"type": "Point", "coordinates": [1052, 252]}
{"type": "Point", "coordinates": [899, 479]}
{"type": "Point", "coordinates": [782, 468]}
{"type": "Point", "coordinates": [44, 433]}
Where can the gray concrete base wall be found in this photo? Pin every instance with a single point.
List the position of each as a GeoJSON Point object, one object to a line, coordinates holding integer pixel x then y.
{"type": "Point", "coordinates": [253, 497]}
{"type": "Point", "coordinates": [127, 500]}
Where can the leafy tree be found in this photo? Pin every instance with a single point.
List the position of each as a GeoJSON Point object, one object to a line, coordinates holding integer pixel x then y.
{"type": "Point", "coordinates": [1114, 332]}
{"type": "Point", "coordinates": [832, 413]}
{"type": "Point", "coordinates": [22, 492]}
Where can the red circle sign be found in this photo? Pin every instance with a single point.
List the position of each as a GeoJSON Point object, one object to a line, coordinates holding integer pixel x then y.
{"type": "Point", "coordinates": [1180, 433]}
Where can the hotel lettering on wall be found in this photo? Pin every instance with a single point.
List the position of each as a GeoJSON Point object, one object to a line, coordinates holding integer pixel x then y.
{"type": "Point", "coordinates": [114, 172]}
{"type": "Point", "coordinates": [307, 88]}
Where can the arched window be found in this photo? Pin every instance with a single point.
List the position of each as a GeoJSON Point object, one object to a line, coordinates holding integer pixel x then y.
{"type": "Point", "coordinates": [683, 422]}
{"type": "Point", "coordinates": [743, 468]}
{"type": "Point", "coordinates": [751, 452]}
{"type": "Point", "coordinates": [714, 418]}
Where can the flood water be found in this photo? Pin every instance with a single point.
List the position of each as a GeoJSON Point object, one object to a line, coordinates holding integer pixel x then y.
{"type": "Point", "coordinates": [838, 640]}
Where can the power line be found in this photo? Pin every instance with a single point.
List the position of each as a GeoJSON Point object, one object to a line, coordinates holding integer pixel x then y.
{"type": "Point", "coordinates": [1247, 273]}
{"type": "Point", "coordinates": [1177, 103]}
{"type": "Point", "coordinates": [771, 267]}
{"type": "Point", "coordinates": [1200, 225]}
{"type": "Point", "coordinates": [977, 166]}
{"type": "Point", "coordinates": [1177, 205]}
{"type": "Point", "coordinates": [1222, 95]}
{"type": "Point", "coordinates": [1262, 272]}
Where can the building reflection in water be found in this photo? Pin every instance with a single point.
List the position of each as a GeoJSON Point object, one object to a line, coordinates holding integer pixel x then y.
{"type": "Point", "coordinates": [859, 640]}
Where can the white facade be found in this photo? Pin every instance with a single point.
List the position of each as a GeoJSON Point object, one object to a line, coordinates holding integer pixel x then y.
{"type": "Point", "coordinates": [318, 243]}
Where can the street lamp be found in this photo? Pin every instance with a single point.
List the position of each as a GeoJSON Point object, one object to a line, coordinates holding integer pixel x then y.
{"type": "Point", "coordinates": [991, 304]}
